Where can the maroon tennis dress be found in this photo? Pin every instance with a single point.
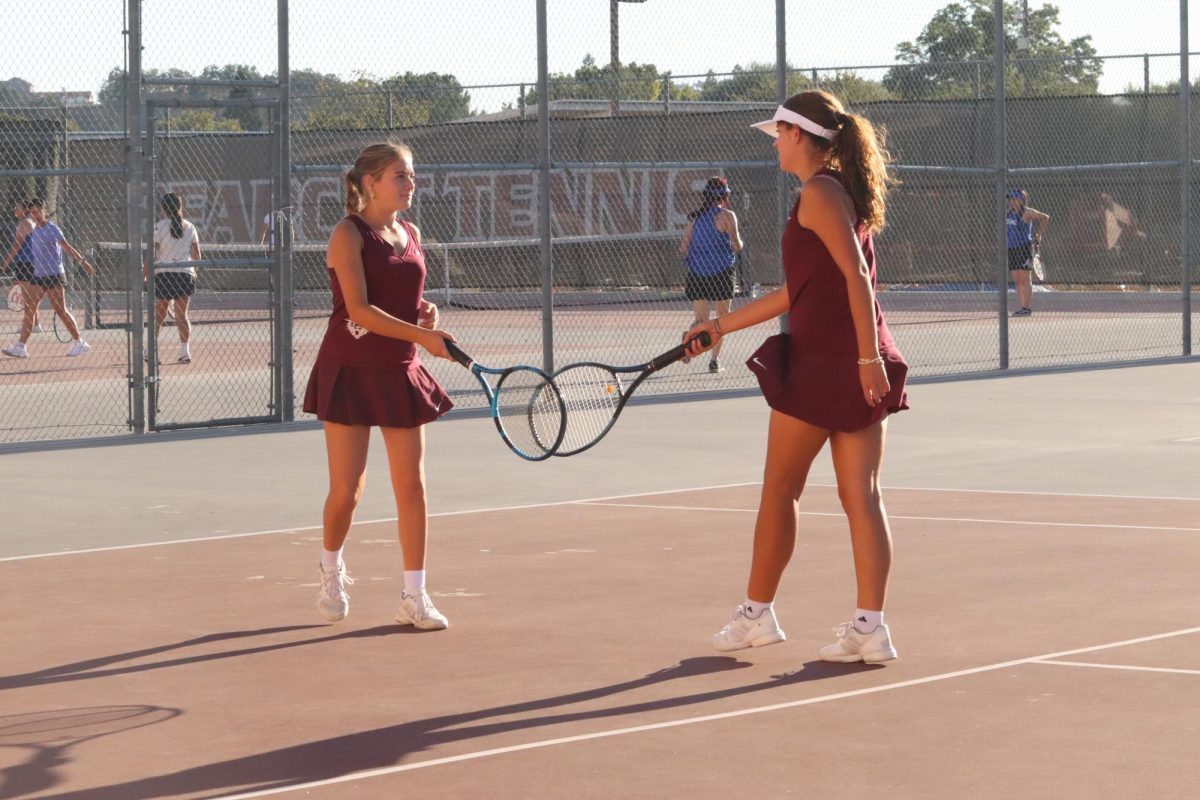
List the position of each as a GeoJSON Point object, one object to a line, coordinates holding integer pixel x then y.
{"type": "Point", "coordinates": [362, 378]}
{"type": "Point", "coordinates": [812, 372]}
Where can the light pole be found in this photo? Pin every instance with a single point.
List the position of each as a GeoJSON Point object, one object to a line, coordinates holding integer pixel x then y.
{"type": "Point", "coordinates": [614, 41]}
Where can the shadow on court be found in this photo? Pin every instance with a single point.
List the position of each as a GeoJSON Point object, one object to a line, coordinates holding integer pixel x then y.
{"type": "Point", "coordinates": [94, 667]}
{"type": "Point", "coordinates": [388, 746]}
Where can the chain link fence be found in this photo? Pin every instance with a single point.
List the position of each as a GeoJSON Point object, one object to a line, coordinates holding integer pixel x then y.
{"type": "Point", "coordinates": [552, 202]}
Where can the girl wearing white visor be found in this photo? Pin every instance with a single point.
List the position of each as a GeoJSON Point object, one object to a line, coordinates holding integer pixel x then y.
{"type": "Point", "coordinates": [837, 375]}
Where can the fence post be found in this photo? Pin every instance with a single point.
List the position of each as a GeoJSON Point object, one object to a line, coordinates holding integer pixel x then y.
{"type": "Point", "coordinates": [135, 198]}
{"type": "Point", "coordinates": [1185, 175]}
{"type": "Point", "coordinates": [1000, 191]}
{"type": "Point", "coordinates": [782, 208]}
{"type": "Point", "coordinates": [285, 352]}
{"type": "Point", "coordinates": [544, 190]}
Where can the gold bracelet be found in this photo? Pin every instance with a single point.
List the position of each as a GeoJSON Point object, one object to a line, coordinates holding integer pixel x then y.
{"type": "Point", "coordinates": [863, 362]}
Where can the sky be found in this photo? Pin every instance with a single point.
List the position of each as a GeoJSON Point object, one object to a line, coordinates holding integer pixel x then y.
{"type": "Point", "coordinates": [495, 42]}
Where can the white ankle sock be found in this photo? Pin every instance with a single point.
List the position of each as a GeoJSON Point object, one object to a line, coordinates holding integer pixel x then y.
{"type": "Point", "coordinates": [866, 621]}
{"type": "Point", "coordinates": [414, 580]}
{"type": "Point", "coordinates": [755, 609]}
{"type": "Point", "coordinates": [331, 558]}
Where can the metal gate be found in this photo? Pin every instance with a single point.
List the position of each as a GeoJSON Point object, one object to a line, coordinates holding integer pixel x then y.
{"type": "Point", "coordinates": [236, 367]}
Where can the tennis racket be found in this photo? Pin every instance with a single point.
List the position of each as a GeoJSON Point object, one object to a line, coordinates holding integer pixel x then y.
{"type": "Point", "coordinates": [16, 298]}
{"type": "Point", "coordinates": [1039, 271]}
{"type": "Point", "coordinates": [526, 405]}
{"type": "Point", "coordinates": [595, 395]}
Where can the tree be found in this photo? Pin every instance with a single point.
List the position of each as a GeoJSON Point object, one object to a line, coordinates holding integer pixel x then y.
{"type": "Point", "coordinates": [592, 82]}
{"type": "Point", "coordinates": [953, 56]}
{"type": "Point", "coordinates": [200, 119]}
{"type": "Point", "coordinates": [248, 117]}
{"type": "Point", "coordinates": [366, 102]}
{"type": "Point", "coordinates": [112, 92]}
{"type": "Point", "coordinates": [757, 83]}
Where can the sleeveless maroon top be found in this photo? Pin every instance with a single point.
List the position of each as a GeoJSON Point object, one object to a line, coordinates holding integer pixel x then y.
{"type": "Point", "coordinates": [363, 378]}
{"type": "Point", "coordinates": [395, 282]}
{"type": "Point", "coordinates": [813, 373]}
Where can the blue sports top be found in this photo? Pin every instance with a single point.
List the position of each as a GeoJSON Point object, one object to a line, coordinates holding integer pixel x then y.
{"type": "Point", "coordinates": [25, 254]}
{"type": "Point", "coordinates": [47, 253]}
{"type": "Point", "coordinates": [710, 252]}
{"type": "Point", "coordinates": [1020, 233]}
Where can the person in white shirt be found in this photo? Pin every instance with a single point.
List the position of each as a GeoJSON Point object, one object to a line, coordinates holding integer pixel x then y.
{"type": "Point", "coordinates": [176, 244]}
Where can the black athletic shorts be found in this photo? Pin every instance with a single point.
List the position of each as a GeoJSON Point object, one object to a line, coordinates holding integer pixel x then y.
{"type": "Point", "coordinates": [710, 287]}
{"type": "Point", "coordinates": [22, 270]}
{"type": "Point", "coordinates": [169, 285]}
{"type": "Point", "coordinates": [48, 281]}
{"type": "Point", "coordinates": [1020, 257]}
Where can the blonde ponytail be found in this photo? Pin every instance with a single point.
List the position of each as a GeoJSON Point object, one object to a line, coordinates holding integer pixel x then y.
{"type": "Point", "coordinates": [356, 199]}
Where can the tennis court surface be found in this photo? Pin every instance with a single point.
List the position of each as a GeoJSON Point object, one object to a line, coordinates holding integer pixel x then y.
{"type": "Point", "coordinates": [162, 640]}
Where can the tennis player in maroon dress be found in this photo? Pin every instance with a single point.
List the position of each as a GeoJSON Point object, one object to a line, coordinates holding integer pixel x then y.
{"type": "Point", "coordinates": [835, 377]}
{"type": "Point", "coordinates": [369, 373]}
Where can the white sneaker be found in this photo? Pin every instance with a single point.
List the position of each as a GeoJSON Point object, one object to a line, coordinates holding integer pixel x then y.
{"type": "Point", "coordinates": [185, 356]}
{"type": "Point", "coordinates": [16, 350]}
{"type": "Point", "coordinates": [743, 632]}
{"type": "Point", "coordinates": [332, 601]}
{"type": "Point", "coordinates": [78, 348]}
{"type": "Point", "coordinates": [854, 646]}
{"type": "Point", "coordinates": [417, 609]}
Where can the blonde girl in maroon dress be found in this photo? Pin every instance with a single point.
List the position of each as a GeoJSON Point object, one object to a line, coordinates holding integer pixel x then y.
{"type": "Point", "coordinates": [369, 373]}
{"type": "Point", "coordinates": [835, 378]}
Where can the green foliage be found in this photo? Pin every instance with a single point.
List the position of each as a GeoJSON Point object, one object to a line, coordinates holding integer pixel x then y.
{"type": "Point", "coordinates": [934, 67]}
{"type": "Point", "coordinates": [320, 100]}
{"type": "Point", "coordinates": [593, 82]}
{"type": "Point", "coordinates": [364, 101]}
{"type": "Point", "coordinates": [201, 119]}
{"type": "Point", "coordinates": [752, 83]}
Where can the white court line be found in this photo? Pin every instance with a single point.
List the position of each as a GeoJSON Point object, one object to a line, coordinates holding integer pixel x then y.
{"type": "Point", "coordinates": [1058, 663]}
{"type": "Point", "coordinates": [1189, 439]}
{"type": "Point", "coordinates": [435, 762]}
{"type": "Point", "coordinates": [302, 529]}
{"type": "Point", "coordinates": [900, 516]}
{"type": "Point", "coordinates": [370, 522]}
{"type": "Point", "coordinates": [1021, 492]}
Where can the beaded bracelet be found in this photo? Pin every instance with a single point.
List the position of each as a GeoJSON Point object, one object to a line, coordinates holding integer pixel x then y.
{"type": "Point", "coordinates": [863, 362]}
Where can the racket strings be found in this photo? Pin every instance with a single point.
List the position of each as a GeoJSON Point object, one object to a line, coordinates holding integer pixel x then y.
{"type": "Point", "coordinates": [529, 411]}
{"type": "Point", "coordinates": [592, 395]}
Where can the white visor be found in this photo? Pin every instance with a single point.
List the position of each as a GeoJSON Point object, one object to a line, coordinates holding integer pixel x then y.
{"type": "Point", "coordinates": [787, 115]}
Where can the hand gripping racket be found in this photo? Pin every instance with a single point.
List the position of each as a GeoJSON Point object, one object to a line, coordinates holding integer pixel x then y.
{"type": "Point", "coordinates": [595, 395]}
{"type": "Point", "coordinates": [526, 406]}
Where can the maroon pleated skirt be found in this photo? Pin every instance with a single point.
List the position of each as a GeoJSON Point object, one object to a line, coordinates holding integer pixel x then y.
{"type": "Point", "coordinates": [364, 396]}
{"type": "Point", "coordinates": [823, 389]}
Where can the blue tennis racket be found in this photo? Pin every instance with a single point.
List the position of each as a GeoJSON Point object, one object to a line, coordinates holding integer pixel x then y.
{"type": "Point", "coordinates": [525, 404]}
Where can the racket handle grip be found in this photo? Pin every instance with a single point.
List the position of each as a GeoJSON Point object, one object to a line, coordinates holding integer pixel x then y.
{"type": "Point", "coordinates": [458, 355]}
